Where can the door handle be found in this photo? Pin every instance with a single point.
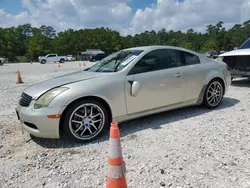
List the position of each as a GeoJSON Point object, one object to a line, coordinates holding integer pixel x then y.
{"type": "Point", "coordinates": [179, 75]}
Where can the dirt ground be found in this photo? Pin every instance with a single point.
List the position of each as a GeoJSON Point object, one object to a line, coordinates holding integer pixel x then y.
{"type": "Point", "coordinates": [191, 147]}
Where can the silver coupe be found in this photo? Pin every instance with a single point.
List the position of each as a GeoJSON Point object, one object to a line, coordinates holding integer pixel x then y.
{"type": "Point", "coordinates": [127, 84]}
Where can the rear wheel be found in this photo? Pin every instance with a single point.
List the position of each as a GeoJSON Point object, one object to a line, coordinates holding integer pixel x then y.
{"type": "Point", "coordinates": [62, 60]}
{"type": "Point", "coordinates": [214, 94]}
{"type": "Point", "coordinates": [85, 120]}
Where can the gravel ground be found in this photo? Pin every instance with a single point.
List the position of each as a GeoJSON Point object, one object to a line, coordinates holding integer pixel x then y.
{"type": "Point", "coordinates": [190, 147]}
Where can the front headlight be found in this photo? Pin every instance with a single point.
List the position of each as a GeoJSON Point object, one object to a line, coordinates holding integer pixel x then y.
{"type": "Point", "coordinates": [46, 98]}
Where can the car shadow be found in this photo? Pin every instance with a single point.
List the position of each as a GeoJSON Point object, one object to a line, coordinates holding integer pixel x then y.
{"type": "Point", "coordinates": [136, 125]}
{"type": "Point", "coordinates": [242, 82]}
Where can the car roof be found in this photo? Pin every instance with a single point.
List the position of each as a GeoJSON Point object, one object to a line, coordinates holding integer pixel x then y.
{"type": "Point", "coordinates": [155, 47]}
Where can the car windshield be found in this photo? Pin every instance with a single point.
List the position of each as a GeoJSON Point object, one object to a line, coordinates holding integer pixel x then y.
{"type": "Point", "coordinates": [116, 61]}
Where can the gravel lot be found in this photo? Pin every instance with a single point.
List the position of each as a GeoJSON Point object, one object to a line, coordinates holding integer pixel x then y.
{"type": "Point", "coordinates": [191, 147]}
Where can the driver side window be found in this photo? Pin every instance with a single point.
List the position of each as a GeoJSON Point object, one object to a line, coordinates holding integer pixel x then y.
{"type": "Point", "coordinates": [157, 60]}
{"type": "Point", "coordinates": [52, 55]}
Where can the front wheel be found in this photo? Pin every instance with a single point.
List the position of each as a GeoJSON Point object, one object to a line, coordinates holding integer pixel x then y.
{"type": "Point", "coordinates": [214, 94]}
{"type": "Point", "coordinates": [85, 120]}
{"type": "Point", "coordinates": [43, 61]}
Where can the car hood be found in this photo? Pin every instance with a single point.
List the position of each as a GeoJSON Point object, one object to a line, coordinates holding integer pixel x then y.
{"type": "Point", "coordinates": [238, 52]}
{"type": "Point", "coordinates": [39, 88]}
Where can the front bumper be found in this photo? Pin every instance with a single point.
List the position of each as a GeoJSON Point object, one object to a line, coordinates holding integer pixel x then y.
{"type": "Point", "coordinates": [36, 122]}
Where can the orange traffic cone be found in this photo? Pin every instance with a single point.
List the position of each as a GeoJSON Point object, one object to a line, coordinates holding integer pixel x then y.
{"type": "Point", "coordinates": [19, 78]}
{"type": "Point", "coordinates": [116, 169]}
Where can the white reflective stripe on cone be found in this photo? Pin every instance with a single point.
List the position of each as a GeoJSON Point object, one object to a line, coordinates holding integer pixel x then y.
{"type": "Point", "coordinates": [115, 150]}
{"type": "Point", "coordinates": [116, 172]}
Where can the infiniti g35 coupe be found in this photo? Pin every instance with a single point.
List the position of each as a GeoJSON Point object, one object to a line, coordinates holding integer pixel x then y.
{"type": "Point", "coordinates": [125, 85]}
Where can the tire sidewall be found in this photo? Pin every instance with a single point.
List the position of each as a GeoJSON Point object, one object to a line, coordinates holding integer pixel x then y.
{"type": "Point", "coordinates": [62, 61]}
{"type": "Point", "coordinates": [205, 100]}
{"type": "Point", "coordinates": [43, 61]}
{"type": "Point", "coordinates": [66, 134]}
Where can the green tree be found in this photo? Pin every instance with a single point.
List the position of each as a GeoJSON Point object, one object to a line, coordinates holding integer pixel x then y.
{"type": "Point", "coordinates": [39, 44]}
{"type": "Point", "coordinates": [34, 42]}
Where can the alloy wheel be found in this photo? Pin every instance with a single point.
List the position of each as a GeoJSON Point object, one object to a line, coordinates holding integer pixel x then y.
{"type": "Point", "coordinates": [214, 93]}
{"type": "Point", "coordinates": [86, 121]}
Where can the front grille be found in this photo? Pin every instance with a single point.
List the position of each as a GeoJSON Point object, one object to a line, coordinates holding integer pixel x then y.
{"type": "Point", "coordinates": [25, 100]}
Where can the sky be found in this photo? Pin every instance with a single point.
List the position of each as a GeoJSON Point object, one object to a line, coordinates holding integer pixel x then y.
{"type": "Point", "coordinates": [125, 16]}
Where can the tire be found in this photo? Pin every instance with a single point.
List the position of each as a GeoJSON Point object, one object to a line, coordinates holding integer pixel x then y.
{"type": "Point", "coordinates": [62, 60]}
{"type": "Point", "coordinates": [43, 61]}
{"type": "Point", "coordinates": [70, 128]}
{"type": "Point", "coordinates": [214, 88]}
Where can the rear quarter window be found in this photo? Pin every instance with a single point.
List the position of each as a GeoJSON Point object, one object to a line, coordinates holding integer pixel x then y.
{"type": "Point", "coordinates": [189, 58]}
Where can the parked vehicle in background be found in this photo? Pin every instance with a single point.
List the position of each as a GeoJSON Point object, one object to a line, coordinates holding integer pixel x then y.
{"type": "Point", "coordinates": [97, 57]}
{"type": "Point", "coordinates": [70, 58]}
{"type": "Point", "coordinates": [2, 60]}
{"type": "Point", "coordinates": [92, 55]}
{"type": "Point", "coordinates": [127, 84]}
{"type": "Point", "coordinates": [238, 60]}
{"type": "Point", "coordinates": [213, 54]}
{"type": "Point", "coordinates": [51, 58]}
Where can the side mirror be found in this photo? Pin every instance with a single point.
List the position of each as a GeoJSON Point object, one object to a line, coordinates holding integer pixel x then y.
{"type": "Point", "coordinates": [135, 87]}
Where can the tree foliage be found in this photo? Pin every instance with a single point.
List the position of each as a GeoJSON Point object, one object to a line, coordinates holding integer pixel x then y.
{"type": "Point", "coordinates": [33, 42]}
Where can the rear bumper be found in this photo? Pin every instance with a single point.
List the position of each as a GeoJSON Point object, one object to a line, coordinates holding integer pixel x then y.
{"type": "Point", "coordinates": [36, 122]}
{"type": "Point", "coordinates": [238, 73]}
{"type": "Point", "coordinates": [228, 80]}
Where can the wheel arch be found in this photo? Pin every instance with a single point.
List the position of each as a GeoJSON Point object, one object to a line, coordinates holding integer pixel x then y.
{"type": "Point", "coordinates": [221, 80]}
{"type": "Point", "coordinates": [99, 99]}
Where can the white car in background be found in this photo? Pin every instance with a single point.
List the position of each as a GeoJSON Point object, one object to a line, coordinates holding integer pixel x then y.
{"type": "Point", "coordinates": [51, 58]}
{"type": "Point", "coordinates": [2, 61]}
{"type": "Point", "coordinates": [238, 60]}
{"type": "Point", "coordinates": [70, 58]}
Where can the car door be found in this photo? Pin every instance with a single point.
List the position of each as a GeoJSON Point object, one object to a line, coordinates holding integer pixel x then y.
{"type": "Point", "coordinates": [156, 80]}
{"type": "Point", "coordinates": [49, 58]}
{"type": "Point", "coordinates": [194, 73]}
{"type": "Point", "coordinates": [52, 58]}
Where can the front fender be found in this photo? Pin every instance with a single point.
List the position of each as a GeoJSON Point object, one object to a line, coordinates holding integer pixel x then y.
{"type": "Point", "coordinates": [110, 90]}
